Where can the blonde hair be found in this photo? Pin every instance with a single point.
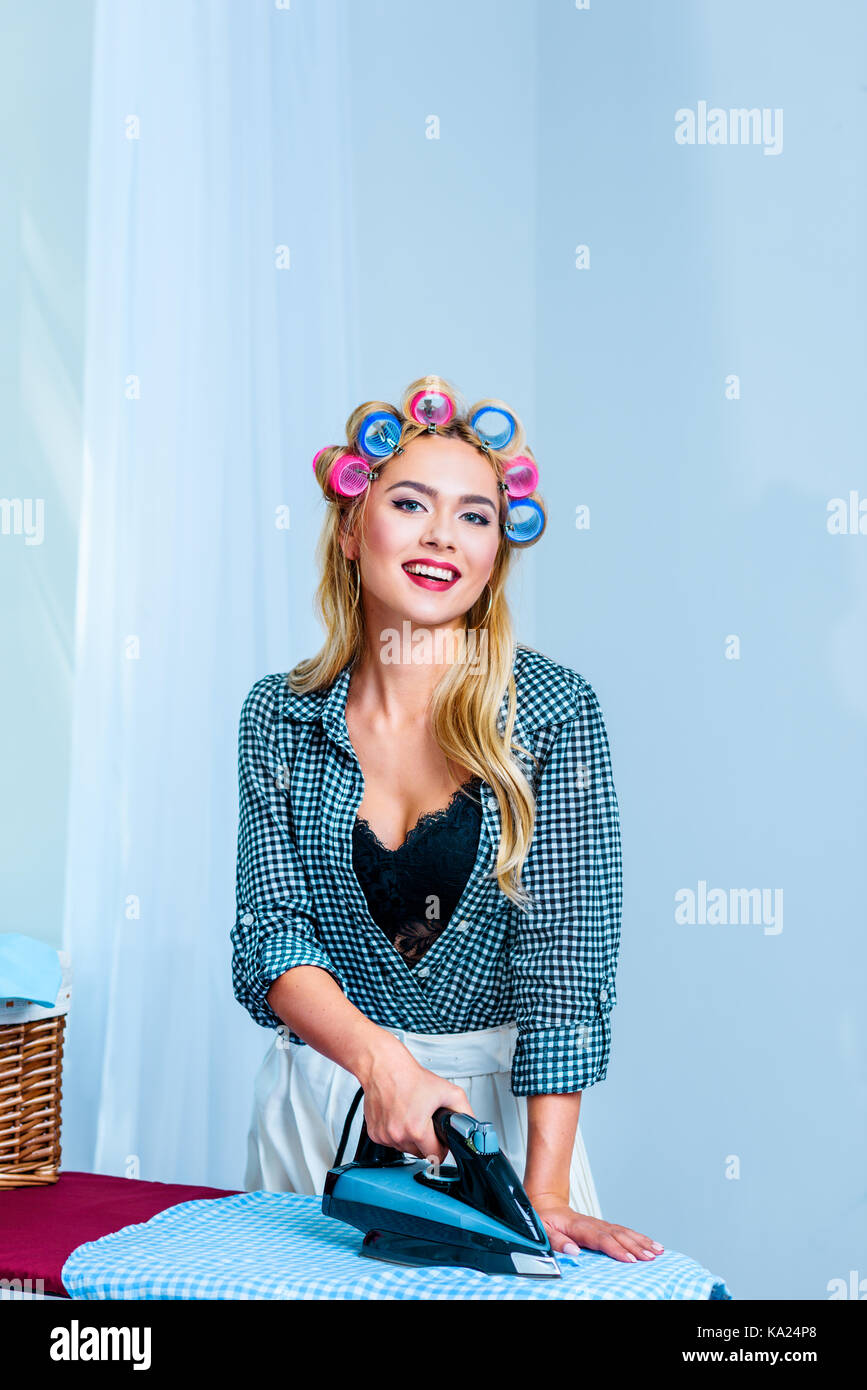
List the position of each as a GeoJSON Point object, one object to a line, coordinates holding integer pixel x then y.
{"type": "Point", "coordinates": [465, 702]}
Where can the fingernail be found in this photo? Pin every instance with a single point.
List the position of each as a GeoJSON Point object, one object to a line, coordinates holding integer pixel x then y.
{"type": "Point", "coordinates": [656, 1245]}
{"type": "Point", "coordinates": [571, 1249]}
{"type": "Point", "coordinates": [632, 1257]}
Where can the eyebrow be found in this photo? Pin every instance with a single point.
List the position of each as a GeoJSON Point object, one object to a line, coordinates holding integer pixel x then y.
{"type": "Point", "coordinates": [433, 492]}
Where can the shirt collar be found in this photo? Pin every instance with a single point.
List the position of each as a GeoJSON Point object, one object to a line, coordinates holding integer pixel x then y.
{"type": "Point", "coordinates": [540, 701]}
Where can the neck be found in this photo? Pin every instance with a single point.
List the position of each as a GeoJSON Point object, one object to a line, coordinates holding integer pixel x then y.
{"type": "Point", "coordinates": [398, 691]}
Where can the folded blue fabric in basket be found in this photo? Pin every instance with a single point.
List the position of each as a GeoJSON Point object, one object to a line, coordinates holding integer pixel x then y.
{"type": "Point", "coordinates": [29, 969]}
{"type": "Point", "coordinates": [279, 1245]}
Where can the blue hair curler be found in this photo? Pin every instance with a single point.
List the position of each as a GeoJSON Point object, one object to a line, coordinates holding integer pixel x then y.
{"type": "Point", "coordinates": [379, 434]}
{"type": "Point", "coordinates": [495, 427]}
{"type": "Point", "coordinates": [524, 521]}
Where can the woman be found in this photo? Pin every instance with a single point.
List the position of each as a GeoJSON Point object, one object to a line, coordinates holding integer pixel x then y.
{"type": "Point", "coordinates": [429, 885]}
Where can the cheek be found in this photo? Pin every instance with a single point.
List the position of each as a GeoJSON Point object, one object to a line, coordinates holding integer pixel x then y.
{"type": "Point", "coordinates": [384, 533]}
{"type": "Point", "coordinates": [482, 545]}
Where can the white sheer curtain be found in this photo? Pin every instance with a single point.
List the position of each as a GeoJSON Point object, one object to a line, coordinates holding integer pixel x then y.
{"type": "Point", "coordinates": [212, 374]}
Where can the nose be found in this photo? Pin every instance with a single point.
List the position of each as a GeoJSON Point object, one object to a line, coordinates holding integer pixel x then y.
{"type": "Point", "coordinates": [438, 534]}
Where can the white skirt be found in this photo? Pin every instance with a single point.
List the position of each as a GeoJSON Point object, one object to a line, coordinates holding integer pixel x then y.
{"type": "Point", "coordinates": [301, 1099]}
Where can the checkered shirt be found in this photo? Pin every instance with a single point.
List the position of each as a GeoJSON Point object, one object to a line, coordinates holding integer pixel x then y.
{"type": "Point", "coordinates": [550, 970]}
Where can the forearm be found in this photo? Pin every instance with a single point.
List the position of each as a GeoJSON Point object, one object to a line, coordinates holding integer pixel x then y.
{"type": "Point", "coordinates": [312, 1004]}
{"type": "Point", "coordinates": [552, 1122]}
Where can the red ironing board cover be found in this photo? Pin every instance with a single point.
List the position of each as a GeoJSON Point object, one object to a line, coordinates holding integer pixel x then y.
{"type": "Point", "coordinates": [41, 1226]}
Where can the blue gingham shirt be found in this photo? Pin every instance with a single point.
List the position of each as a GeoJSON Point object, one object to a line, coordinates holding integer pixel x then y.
{"type": "Point", "coordinates": [551, 970]}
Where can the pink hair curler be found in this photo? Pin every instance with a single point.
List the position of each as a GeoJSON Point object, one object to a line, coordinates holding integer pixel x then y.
{"type": "Point", "coordinates": [521, 476]}
{"type": "Point", "coordinates": [431, 408]}
{"type": "Point", "coordinates": [349, 475]}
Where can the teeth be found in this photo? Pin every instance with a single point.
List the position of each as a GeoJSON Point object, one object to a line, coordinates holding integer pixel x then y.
{"type": "Point", "coordinates": [430, 571]}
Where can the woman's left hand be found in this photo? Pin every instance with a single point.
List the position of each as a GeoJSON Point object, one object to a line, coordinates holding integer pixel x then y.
{"type": "Point", "coordinates": [569, 1230]}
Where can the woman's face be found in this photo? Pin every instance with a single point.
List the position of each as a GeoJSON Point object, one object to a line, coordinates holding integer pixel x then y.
{"type": "Point", "coordinates": [435, 506]}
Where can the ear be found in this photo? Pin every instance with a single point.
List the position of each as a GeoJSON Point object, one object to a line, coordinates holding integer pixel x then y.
{"type": "Point", "coordinates": [348, 544]}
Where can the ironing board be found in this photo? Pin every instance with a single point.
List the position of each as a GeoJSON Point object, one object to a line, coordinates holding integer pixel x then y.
{"type": "Point", "coordinates": [40, 1226]}
{"type": "Point", "coordinates": [278, 1245]}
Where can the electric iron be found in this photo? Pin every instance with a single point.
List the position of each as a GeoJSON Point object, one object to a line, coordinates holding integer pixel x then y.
{"type": "Point", "coordinates": [474, 1212]}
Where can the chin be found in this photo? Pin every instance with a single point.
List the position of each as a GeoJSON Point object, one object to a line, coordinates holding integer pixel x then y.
{"type": "Point", "coordinates": [423, 615]}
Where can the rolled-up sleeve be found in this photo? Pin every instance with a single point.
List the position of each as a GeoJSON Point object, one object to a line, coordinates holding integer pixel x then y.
{"type": "Point", "coordinates": [565, 947]}
{"type": "Point", "coordinates": [275, 919]}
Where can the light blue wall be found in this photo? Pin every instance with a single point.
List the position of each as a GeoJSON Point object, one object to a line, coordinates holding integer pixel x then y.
{"type": "Point", "coordinates": [733, 1045]}
{"type": "Point", "coordinates": [736, 1050]}
{"type": "Point", "coordinates": [45, 64]}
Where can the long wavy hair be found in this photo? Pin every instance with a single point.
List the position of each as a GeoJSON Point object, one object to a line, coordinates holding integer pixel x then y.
{"type": "Point", "coordinates": [466, 701]}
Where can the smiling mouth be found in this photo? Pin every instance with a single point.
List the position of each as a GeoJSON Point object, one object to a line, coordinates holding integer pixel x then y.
{"type": "Point", "coordinates": [437, 574]}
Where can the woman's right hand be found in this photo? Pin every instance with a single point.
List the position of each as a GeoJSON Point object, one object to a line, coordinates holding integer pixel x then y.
{"type": "Point", "coordinates": [400, 1097]}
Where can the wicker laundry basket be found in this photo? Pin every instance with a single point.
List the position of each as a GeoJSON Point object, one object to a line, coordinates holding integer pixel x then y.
{"type": "Point", "coordinates": [31, 1064]}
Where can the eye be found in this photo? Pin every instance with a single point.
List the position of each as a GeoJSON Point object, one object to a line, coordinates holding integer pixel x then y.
{"type": "Point", "coordinates": [402, 503]}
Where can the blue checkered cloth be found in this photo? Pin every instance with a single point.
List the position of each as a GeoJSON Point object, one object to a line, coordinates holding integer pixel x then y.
{"type": "Point", "coordinates": [279, 1245]}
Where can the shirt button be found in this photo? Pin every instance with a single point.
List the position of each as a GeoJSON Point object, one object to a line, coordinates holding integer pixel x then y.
{"type": "Point", "coordinates": [462, 926]}
{"type": "Point", "coordinates": [423, 970]}
{"type": "Point", "coordinates": [603, 994]}
{"type": "Point", "coordinates": [248, 919]}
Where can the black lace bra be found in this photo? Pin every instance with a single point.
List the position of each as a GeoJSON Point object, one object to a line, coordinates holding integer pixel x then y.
{"type": "Point", "coordinates": [413, 890]}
